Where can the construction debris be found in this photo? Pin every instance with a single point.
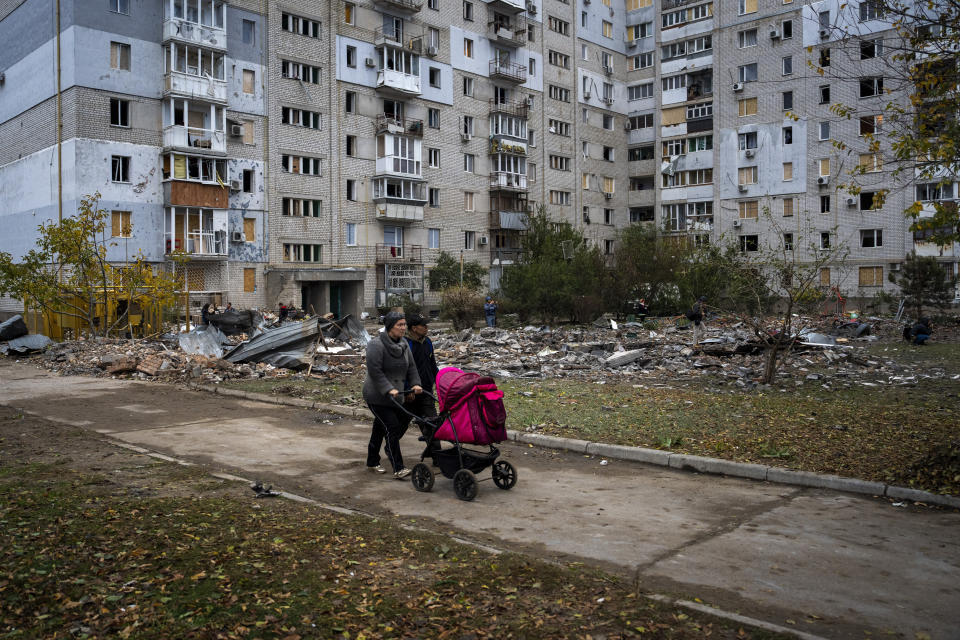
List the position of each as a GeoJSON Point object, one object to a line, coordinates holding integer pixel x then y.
{"type": "Point", "coordinates": [13, 328]}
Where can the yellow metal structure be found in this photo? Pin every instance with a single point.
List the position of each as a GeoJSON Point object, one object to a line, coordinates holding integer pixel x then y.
{"type": "Point", "coordinates": [144, 320]}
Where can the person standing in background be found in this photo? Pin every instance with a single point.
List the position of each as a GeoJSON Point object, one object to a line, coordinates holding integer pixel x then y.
{"type": "Point", "coordinates": [490, 311]}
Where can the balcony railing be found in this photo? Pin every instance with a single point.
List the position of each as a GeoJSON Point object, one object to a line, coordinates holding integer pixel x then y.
{"type": "Point", "coordinates": [192, 138]}
{"type": "Point", "coordinates": [193, 33]}
{"type": "Point", "coordinates": [197, 87]}
{"type": "Point", "coordinates": [398, 83]}
{"type": "Point", "coordinates": [411, 253]}
{"type": "Point", "coordinates": [505, 256]}
{"type": "Point", "coordinates": [508, 146]}
{"type": "Point", "coordinates": [407, 126]}
{"type": "Point", "coordinates": [503, 219]}
{"type": "Point", "coordinates": [411, 6]}
{"type": "Point", "coordinates": [409, 37]}
{"type": "Point", "coordinates": [212, 244]}
{"type": "Point", "coordinates": [519, 109]}
{"type": "Point", "coordinates": [397, 210]}
{"type": "Point", "coordinates": [510, 71]}
{"type": "Point", "coordinates": [513, 33]}
{"type": "Point", "coordinates": [508, 181]}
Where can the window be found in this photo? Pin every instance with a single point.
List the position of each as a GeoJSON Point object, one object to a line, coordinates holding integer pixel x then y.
{"type": "Point", "coordinates": [871, 276]}
{"type": "Point", "coordinates": [433, 4]}
{"type": "Point", "coordinates": [787, 65]}
{"type": "Point", "coordinates": [249, 230]}
{"type": "Point", "coordinates": [120, 6]}
{"type": "Point", "coordinates": [433, 238]}
{"type": "Point", "coordinates": [119, 112]}
{"type": "Point", "coordinates": [351, 56]}
{"type": "Point", "coordinates": [673, 82]}
{"type": "Point", "coordinates": [608, 216]}
{"type": "Point", "coordinates": [531, 33]}
{"type": "Point", "coordinates": [607, 29]}
{"type": "Point", "coordinates": [302, 26]}
{"type": "Point", "coordinates": [532, 66]}
{"type": "Point", "coordinates": [787, 171]}
{"type": "Point", "coordinates": [747, 209]}
{"type": "Point", "coordinates": [247, 180]}
{"type": "Point", "coordinates": [120, 56]}
{"type": "Point", "coordinates": [747, 107]}
{"type": "Point", "coordinates": [583, 18]}
{"type": "Point", "coordinates": [643, 61]}
{"type": "Point", "coordinates": [468, 162]}
{"type": "Point", "coordinates": [824, 204]}
{"type": "Point", "coordinates": [351, 145]}
{"type": "Point", "coordinates": [248, 81]}
{"type": "Point", "coordinates": [558, 59]}
{"type": "Point", "coordinates": [433, 118]}
{"type": "Point", "coordinates": [644, 121]}
{"type": "Point", "coordinates": [747, 140]}
{"type": "Point", "coordinates": [608, 185]}
{"type": "Point", "coordinates": [786, 29]}
{"type": "Point", "coordinates": [787, 100]}
{"type": "Point", "coordinates": [434, 37]}
{"type": "Point", "coordinates": [433, 197]}
{"type": "Point", "coordinates": [248, 31]}
{"type": "Point", "coordinates": [746, 6]}
{"type": "Point", "coordinates": [870, 162]}
{"type": "Point", "coordinates": [350, 102]}
{"type": "Point", "coordinates": [870, 200]}
{"type": "Point", "coordinates": [747, 38]}
{"type": "Point", "coordinates": [299, 207]}
{"type": "Point", "coordinates": [300, 118]}
{"type": "Point", "coordinates": [700, 143]}
{"type": "Point", "coordinates": [824, 130]}
{"type": "Point", "coordinates": [560, 163]}
{"type": "Point", "coordinates": [468, 87]}
{"type": "Point", "coordinates": [871, 238]}
{"type": "Point", "coordinates": [870, 87]}
{"type": "Point", "coordinates": [434, 77]}
{"type": "Point", "coordinates": [351, 234]}
{"type": "Point", "coordinates": [824, 166]}
{"type": "Point", "coordinates": [120, 224]}
{"type": "Point", "coordinates": [789, 205]}
{"type": "Point", "coordinates": [349, 12]}
{"type": "Point", "coordinates": [869, 125]}
{"type": "Point", "coordinates": [640, 91]}
{"type": "Point", "coordinates": [560, 197]}
{"type": "Point", "coordinates": [640, 153]}
{"type": "Point", "coordinates": [788, 135]}
{"type": "Point", "coordinates": [299, 71]}
{"type": "Point", "coordinates": [467, 125]}
{"type": "Point", "coordinates": [871, 49]}
{"type": "Point", "coordinates": [301, 252]}
{"type": "Point", "coordinates": [934, 191]}
{"type": "Point", "coordinates": [788, 242]}
{"type": "Point", "coordinates": [641, 214]}
{"type": "Point", "coordinates": [467, 48]}
{"type": "Point", "coordinates": [469, 240]}
{"type": "Point", "coordinates": [608, 245]}
{"type": "Point", "coordinates": [558, 93]}
{"type": "Point", "coordinates": [120, 168]}
{"type": "Point", "coordinates": [306, 165]}
{"type": "Point", "coordinates": [824, 94]}
{"type": "Point", "coordinates": [870, 10]}
{"type": "Point", "coordinates": [699, 111]}
{"type": "Point", "coordinates": [824, 19]}
{"type": "Point", "coordinates": [559, 127]}
{"type": "Point", "coordinates": [351, 190]}
{"type": "Point", "coordinates": [747, 72]}
{"type": "Point", "coordinates": [824, 239]}
{"type": "Point", "coordinates": [747, 175]}
{"type": "Point", "coordinates": [558, 26]}
{"type": "Point", "coordinates": [468, 11]}
{"type": "Point", "coordinates": [433, 158]}
{"type": "Point", "coordinates": [824, 57]}
{"type": "Point", "coordinates": [672, 148]}
{"type": "Point", "coordinates": [608, 154]}
{"type": "Point", "coordinates": [749, 243]}
{"type": "Point", "coordinates": [825, 277]}
{"type": "Point", "coordinates": [468, 200]}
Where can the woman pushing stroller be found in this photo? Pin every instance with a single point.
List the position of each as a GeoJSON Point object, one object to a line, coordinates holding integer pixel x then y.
{"type": "Point", "coordinates": [390, 370]}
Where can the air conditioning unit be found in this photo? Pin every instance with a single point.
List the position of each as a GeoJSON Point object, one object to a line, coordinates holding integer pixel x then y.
{"type": "Point", "coordinates": [607, 101]}
{"type": "Point", "coordinates": [737, 224]}
{"type": "Point", "coordinates": [237, 236]}
{"type": "Point", "coordinates": [608, 69]}
{"type": "Point", "coordinates": [586, 94]}
{"type": "Point", "coordinates": [774, 34]}
{"type": "Point", "coordinates": [483, 240]}
{"type": "Point", "coordinates": [432, 51]}
{"type": "Point", "coordinates": [531, 8]}
{"type": "Point", "coordinates": [750, 152]}
{"type": "Point", "coordinates": [369, 62]}
{"type": "Point", "coordinates": [631, 44]}
{"type": "Point", "coordinates": [608, 195]}
{"type": "Point", "coordinates": [823, 180]}
{"type": "Point", "coordinates": [824, 34]}
{"type": "Point", "coordinates": [851, 201]}
{"type": "Point", "coordinates": [466, 137]}
{"type": "Point", "coordinates": [236, 130]}
{"type": "Point", "coordinates": [235, 185]}
{"type": "Point", "coordinates": [737, 87]}
{"type": "Point", "coordinates": [742, 188]}
{"type": "Point", "coordinates": [529, 101]}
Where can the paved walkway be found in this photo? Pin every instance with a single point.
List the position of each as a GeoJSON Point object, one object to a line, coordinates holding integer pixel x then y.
{"type": "Point", "coordinates": [824, 563]}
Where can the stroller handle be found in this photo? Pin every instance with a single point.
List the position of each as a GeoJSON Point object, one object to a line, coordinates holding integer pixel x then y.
{"type": "Point", "coordinates": [399, 404]}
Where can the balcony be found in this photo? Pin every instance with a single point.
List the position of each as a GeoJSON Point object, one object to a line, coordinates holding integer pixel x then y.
{"type": "Point", "coordinates": [513, 220]}
{"type": "Point", "coordinates": [510, 146]}
{"type": "Point", "coordinates": [512, 33]}
{"type": "Point", "coordinates": [201, 233]}
{"type": "Point", "coordinates": [409, 253]}
{"type": "Point", "coordinates": [191, 138]}
{"type": "Point", "coordinates": [199, 88]}
{"type": "Point", "coordinates": [395, 211]}
{"type": "Point", "coordinates": [518, 109]}
{"type": "Point", "coordinates": [404, 6]}
{"type": "Point", "coordinates": [508, 181]}
{"type": "Point", "coordinates": [193, 33]}
{"type": "Point", "coordinates": [510, 7]}
{"type": "Point", "coordinates": [399, 126]}
{"type": "Point", "coordinates": [398, 83]}
{"type": "Point", "coordinates": [194, 194]}
{"type": "Point", "coordinates": [508, 71]}
{"type": "Point", "coordinates": [505, 256]}
{"type": "Point", "coordinates": [410, 38]}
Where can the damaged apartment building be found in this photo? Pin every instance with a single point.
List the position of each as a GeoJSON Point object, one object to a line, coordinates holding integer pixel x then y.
{"type": "Point", "coordinates": [322, 154]}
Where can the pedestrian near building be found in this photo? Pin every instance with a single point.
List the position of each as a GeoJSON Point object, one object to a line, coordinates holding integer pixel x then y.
{"type": "Point", "coordinates": [205, 314]}
{"type": "Point", "coordinates": [390, 370]}
{"type": "Point", "coordinates": [490, 311]}
{"type": "Point", "coordinates": [421, 347]}
{"type": "Point", "coordinates": [695, 315]}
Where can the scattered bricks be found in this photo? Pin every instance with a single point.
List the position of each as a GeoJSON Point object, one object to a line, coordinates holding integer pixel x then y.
{"type": "Point", "coordinates": [719, 467]}
{"type": "Point", "coordinates": [904, 493]}
{"type": "Point", "coordinates": [151, 365]}
{"type": "Point", "coordinates": [626, 357]}
{"type": "Point", "coordinates": [823, 481]}
{"type": "Point", "coordinates": [122, 365]}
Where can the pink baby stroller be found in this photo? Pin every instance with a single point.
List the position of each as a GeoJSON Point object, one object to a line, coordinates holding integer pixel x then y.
{"type": "Point", "coordinates": [471, 412]}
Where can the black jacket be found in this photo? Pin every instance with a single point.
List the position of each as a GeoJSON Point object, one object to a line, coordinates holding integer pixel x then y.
{"type": "Point", "coordinates": [423, 356]}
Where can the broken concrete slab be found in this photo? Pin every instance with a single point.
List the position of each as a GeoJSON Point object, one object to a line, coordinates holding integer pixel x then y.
{"type": "Point", "coordinates": [624, 357]}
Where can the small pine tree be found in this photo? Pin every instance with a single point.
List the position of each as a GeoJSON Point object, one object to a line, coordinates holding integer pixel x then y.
{"type": "Point", "coordinates": [924, 283]}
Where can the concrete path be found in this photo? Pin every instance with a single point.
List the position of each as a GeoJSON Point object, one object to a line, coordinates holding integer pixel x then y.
{"type": "Point", "coordinates": [824, 563]}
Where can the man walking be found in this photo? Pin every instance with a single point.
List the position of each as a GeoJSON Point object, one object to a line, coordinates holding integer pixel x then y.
{"type": "Point", "coordinates": [421, 348]}
{"type": "Point", "coordinates": [696, 316]}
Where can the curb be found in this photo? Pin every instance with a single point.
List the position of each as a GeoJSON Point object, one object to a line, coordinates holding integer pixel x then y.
{"type": "Point", "coordinates": [679, 461]}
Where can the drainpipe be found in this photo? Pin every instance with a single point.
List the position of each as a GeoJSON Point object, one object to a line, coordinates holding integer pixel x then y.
{"type": "Point", "coordinates": [59, 126]}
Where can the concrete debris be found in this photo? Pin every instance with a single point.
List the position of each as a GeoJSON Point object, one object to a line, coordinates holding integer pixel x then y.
{"type": "Point", "coordinates": [26, 344]}
{"type": "Point", "coordinates": [13, 328]}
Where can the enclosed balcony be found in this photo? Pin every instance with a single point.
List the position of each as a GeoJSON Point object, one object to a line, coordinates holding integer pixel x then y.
{"type": "Point", "coordinates": [403, 6]}
{"type": "Point", "coordinates": [519, 109]}
{"type": "Point", "coordinates": [399, 126]}
{"type": "Point", "coordinates": [508, 6]}
{"type": "Point", "coordinates": [388, 253]}
{"type": "Point", "coordinates": [508, 71]}
{"type": "Point", "coordinates": [399, 154]}
{"type": "Point", "coordinates": [200, 233]}
{"type": "Point", "coordinates": [508, 181]}
{"type": "Point", "coordinates": [194, 126]}
{"type": "Point", "coordinates": [405, 36]}
{"type": "Point", "coordinates": [200, 22]}
{"type": "Point", "coordinates": [181, 137]}
{"type": "Point", "coordinates": [399, 200]}
{"type": "Point", "coordinates": [508, 30]}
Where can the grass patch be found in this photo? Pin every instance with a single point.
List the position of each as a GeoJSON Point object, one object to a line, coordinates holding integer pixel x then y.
{"type": "Point", "coordinates": [82, 559]}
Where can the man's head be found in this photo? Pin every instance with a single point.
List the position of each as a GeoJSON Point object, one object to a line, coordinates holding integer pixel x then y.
{"type": "Point", "coordinates": [702, 299]}
{"type": "Point", "coordinates": [417, 325]}
{"type": "Point", "coordinates": [489, 299]}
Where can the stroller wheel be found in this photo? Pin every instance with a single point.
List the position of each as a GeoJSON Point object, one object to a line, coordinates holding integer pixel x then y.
{"type": "Point", "coordinates": [465, 485]}
{"type": "Point", "coordinates": [504, 475]}
{"type": "Point", "coordinates": [422, 477]}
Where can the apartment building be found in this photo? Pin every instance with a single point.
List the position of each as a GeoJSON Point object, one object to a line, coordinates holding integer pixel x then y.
{"type": "Point", "coordinates": [324, 154]}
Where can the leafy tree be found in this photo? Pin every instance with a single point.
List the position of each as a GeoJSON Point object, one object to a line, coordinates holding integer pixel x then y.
{"type": "Point", "coordinates": [68, 273]}
{"type": "Point", "coordinates": [446, 273]}
{"type": "Point", "coordinates": [560, 275]}
{"type": "Point", "coordinates": [461, 306]}
{"type": "Point", "coordinates": [646, 266]}
{"type": "Point", "coordinates": [923, 283]}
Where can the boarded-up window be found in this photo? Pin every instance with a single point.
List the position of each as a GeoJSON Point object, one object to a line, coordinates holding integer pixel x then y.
{"type": "Point", "coordinates": [119, 56]}
{"type": "Point", "coordinates": [871, 276]}
{"type": "Point", "coordinates": [248, 78]}
{"type": "Point", "coordinates": [825, 277]}
{"type": "Point", "coordinates": [824, 166]}
{"type": "Point", "coordinates": [747, 6]}
{"type": "Point", "coordinates": [180, 167]}
{"type": "Point", "coordinates": [747, 175]}
{"type": "Point", "coordinates": [120, 224]}
{"type": "Point", "coordinates": [677, 115]}
{"type": "Point", "coordinates": [788, 171]}
{"type": "Point", "coordinates": [249, 280]}
{"type": "Point", "coordinates": [747, 107]}
{"type": "Point", "coordinates": [248, 133]}
{"type": "Point", "coordinates": [788, 207]}
{"type": "Point", "coordinates": [747, 209]}
{"type": "Point", "coordinates": [249, 230]}
{"type": "Point", "coordinates": [870, 162]}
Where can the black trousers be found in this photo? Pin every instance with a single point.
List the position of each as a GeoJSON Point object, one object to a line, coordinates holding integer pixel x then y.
{"type": "Point", "coordinates": [389, 425]}
{"type": "Point", "coordinates": [424, 406]}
